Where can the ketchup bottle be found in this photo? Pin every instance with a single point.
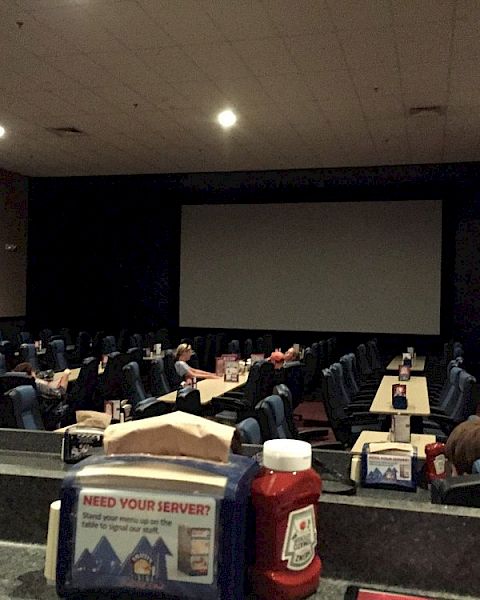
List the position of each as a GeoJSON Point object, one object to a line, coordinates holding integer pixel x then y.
{"type": "Point", "coordinates": [285, 495]}
{"type": "Point", "coordinates": [435, 461]}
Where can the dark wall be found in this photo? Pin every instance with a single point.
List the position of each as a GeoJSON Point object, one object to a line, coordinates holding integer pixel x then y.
{"type": "Point", "coordinates": [104, 251]}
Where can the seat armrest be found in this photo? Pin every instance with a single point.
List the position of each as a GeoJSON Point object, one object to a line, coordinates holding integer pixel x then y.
{"type": "Point", "coordinates": [312, 434]}
{"type": "Point", "coordinates": [142, 406]}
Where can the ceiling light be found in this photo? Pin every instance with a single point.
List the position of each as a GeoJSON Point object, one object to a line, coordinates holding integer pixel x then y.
{"type": "Point", "coordinates": [227, 118]}
{"type": "Point", "coordinates": [2, 131]}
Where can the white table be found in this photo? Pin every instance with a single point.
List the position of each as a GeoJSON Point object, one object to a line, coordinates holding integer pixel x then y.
{"type": "Point", "coordinates": [418, 364]}
{"type": "Point", "coordinates": [420, 440]}
{"type": "Point", "coordinates": [417, 397]}
{"type": "Point", "coordinates": [209, 388]}
{"type": "Point", "coordinates": [73, 375]}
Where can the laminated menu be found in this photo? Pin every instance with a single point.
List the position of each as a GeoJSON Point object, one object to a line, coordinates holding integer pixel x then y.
{"type": "Point", "coordinates": [399, 396]}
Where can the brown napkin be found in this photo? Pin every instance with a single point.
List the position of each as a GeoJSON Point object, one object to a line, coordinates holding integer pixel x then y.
{"type": "Point", "coordinates": [173, 434]}
{"type": "Point", "coordinates": [91, 418]}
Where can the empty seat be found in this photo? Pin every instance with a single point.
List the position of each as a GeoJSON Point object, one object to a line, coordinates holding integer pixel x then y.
{"type": "Point", "coordinates": [56, 357]}
{"type": "Point", "coordinates": [188, 400]}
{"type": "Point", "coordinates": [158, 382]}
{"type": "Point", "coordinates": [142, 405]}
{"type": "Point", "coordinates": [250, 431]}
{"type": "Point", "coordinates": [25, 407]}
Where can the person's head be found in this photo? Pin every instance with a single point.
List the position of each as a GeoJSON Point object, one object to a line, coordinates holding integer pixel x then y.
{"type": "Point", "coordinates": [291, 355]}
{"type": "Point", "coordinates": [183, 352]}
{"type": "Point", "coordinates": [276, 358]}
{"type": "Point", "coordinates": [25, 367]}
{"type": "Point", "coordinates": [463, 446]}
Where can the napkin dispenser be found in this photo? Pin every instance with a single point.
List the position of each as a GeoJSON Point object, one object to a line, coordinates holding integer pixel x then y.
{"type": "Point", "coordinates": [389, 465]}
{"type": "Point", "coordinates": [155, 526]}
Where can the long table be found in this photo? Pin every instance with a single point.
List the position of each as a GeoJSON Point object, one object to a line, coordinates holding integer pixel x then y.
{"type": "Point", "coordinates": [418, 364]}
{"type": "Point", "coordinates": [417, 397]}
{"type": "Point", "coordinates": [74, 373]}
{"type": "Point", "coordinates": [209, 388]}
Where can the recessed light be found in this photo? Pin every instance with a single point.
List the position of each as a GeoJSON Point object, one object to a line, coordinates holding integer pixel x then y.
{"type": "Point", "coordinates": [227, 118]}
{"type": "Point", "coordinates": [2, 131]}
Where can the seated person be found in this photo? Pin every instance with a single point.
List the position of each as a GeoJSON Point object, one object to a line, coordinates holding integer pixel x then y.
{"type": "Point", "coordinates": [50, 393]}
{"type": "Point", "coordinates": [463, 447]}
{"type": "Point", "coordinates": [186, 372]}
{"type": "Point", "coordinates": [291, 355]}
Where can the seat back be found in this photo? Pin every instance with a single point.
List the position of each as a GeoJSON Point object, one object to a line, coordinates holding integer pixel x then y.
{"type": "Point", "coordinates": [83, 390]}
{"type": "Point", "coordinates": [56, 355]}
{"type": "Point", "coordinates": [136, 355]}
{"type": "Point", "coordinates": [24, 337]}
{"type": "Point", "coordinates": [109, 344]}
{"type": "Point", "coordinates": [3, 364]}
{"type": "Point", "coordinates": [268, 343]}
{"type": "Point", "coordinates": [350, 383]}
{"type": "Point", "coordinates": [362, 361]}
{"type": "Point", "coordinates": [286, 396]}
{"type": "Point", "coordinates": [83, 346]}
{"type": "Point", "coordinates": [188, 400]}
{"type": "Point", "coordinates": [340, 391]}
{"type": "Point", "coordinates": [28, 353]}
{"type": "Point", "coordinates": [134, 386]}
{"type": "Point", "coordinates": [273, 409]}
{"type": "Point", "coordinates": [249, 431]}
{"type": "Point", "coordinates": [449, 400]}
{"type": "Point", "coordinates": [136, 341]}
{"type": "Point", "coordinates": [247, 348]}
{"type": "Point", "coordinates": [6, 348]}
{"type": "Point", "coordinates": [373, 356]}
{"type": "Point", "coordinates": [111, 384]}
{"type": "Point", "coordinates": [310, 361]}
{"type": "Point", "coordinates": [234, 347]}
{"type": "Point", "coordinates": [294, 380]}
{"type": "Point", "coordinates": [260, 345]}
{"type": "Point", "coordinates": [45, 335]}
{"type": "Point", "coordinates": [25, 407]}
{"type": "Point", "coordinates": [158, 382]}
{"type": "Point", "coordinates": [467, 405]}
{"type": "Point", "coordinates": [171, 374]}
{"type": "Point", "coordinates": [123, 343]}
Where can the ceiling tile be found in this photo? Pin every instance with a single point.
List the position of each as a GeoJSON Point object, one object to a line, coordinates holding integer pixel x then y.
{"type": "Point", "coordinates": [351, 15]}
{"type": "Point", "coordinates": [299, 18]}
{"type": "Point", "coordinates": [266, 57]}
{"type": "Point", "coordinates": [316, 53]}
{"type": "Point", "coordinates": [186, 21]}
{"type": "Point", "coordinates": [218, 60]}
{"type": "Point", "coordinates": [367, 52]}
{"type": "Point", "coordinates": [240, 20]}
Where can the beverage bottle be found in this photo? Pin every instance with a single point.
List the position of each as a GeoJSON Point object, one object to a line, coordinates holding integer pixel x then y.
{"type": "Point", "coordinates": [285, 496]}
{"type": "Point", "coordinates": [435, 461]}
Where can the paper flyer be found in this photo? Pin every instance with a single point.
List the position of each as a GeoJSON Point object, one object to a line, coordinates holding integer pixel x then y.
{"type": "Point", "coordinates": [132, 538]}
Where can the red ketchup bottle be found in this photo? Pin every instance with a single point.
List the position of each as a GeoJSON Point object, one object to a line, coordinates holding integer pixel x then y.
{"type": "Point", "coordinates": [285, 495]}
{"type": "Point", "coordinates": [435, 461]}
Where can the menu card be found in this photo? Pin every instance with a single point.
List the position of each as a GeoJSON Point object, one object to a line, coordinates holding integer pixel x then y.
{"type": "Point", "coordinates": [219, 366]}
{"type": "Point", "coordinates": [399, 396]}
{"type": "Point", "coordinates": [404, 373]}
{"type": "Point", "coordinates": [232, 370]}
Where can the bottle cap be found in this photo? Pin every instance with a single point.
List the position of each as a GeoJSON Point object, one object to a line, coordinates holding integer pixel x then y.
{"type": "Point", "coordinates": [287, 455]}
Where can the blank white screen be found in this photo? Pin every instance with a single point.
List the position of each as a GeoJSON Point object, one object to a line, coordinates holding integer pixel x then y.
{"type": "Point", "coordinates": [329, 266]}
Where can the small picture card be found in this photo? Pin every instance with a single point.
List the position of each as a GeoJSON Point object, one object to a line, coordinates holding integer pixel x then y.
{"type": "Point", "coordinates": [256, 357]}
{"type": "Point", "coordinates": [404, 373]}
{"type": "Point", "coordinates": [232, 370]}
{"type": "Point", "coordinates": [112, 407]}
{"type": "Point", "coordinates": [407, 359]}
{"type": "Point", "coordinates": [399, 396]}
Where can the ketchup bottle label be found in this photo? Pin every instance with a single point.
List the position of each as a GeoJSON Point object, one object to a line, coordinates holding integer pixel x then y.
{"type": "Point", "coordinates": [300, 539]}
{"type": "Point", "coordinates": [439, 464]}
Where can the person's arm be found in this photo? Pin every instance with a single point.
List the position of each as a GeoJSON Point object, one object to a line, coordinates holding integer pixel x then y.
{"type": "Point", "coordinates": [204, 374]}
{"type": "Point", "coordinates": [61, 383]}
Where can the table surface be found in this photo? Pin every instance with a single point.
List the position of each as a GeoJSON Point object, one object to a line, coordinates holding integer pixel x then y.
{"type": "Point", "coordinates": [417, 439]}
{"type": "Point", "coordinates": [417, 397]}
{"type": "Point", "coordinates": [417, 365]}
{"type": "Point", "coordinates": [209, 388]}
{"type": "Point", "coordinates": [73, 375]}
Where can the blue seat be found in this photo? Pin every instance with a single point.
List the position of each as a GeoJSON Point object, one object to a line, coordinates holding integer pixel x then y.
{"type": "Point", "coordinates": [109, 344]}
{"type": "Point", "coordinates": [28, 353]}
{"type": "Point", "coordinates": [158, 382]}
{"type": "Point", "coordinates": [56, 356]}
{"type": "Point", "coordinates": [142, 405]}
{"type": "Point", "coordinates": [25, 407]}
{"type": "Point", "coordinates": [188, 400]}
{"type": "Point", "coordinates": [250, 431]}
